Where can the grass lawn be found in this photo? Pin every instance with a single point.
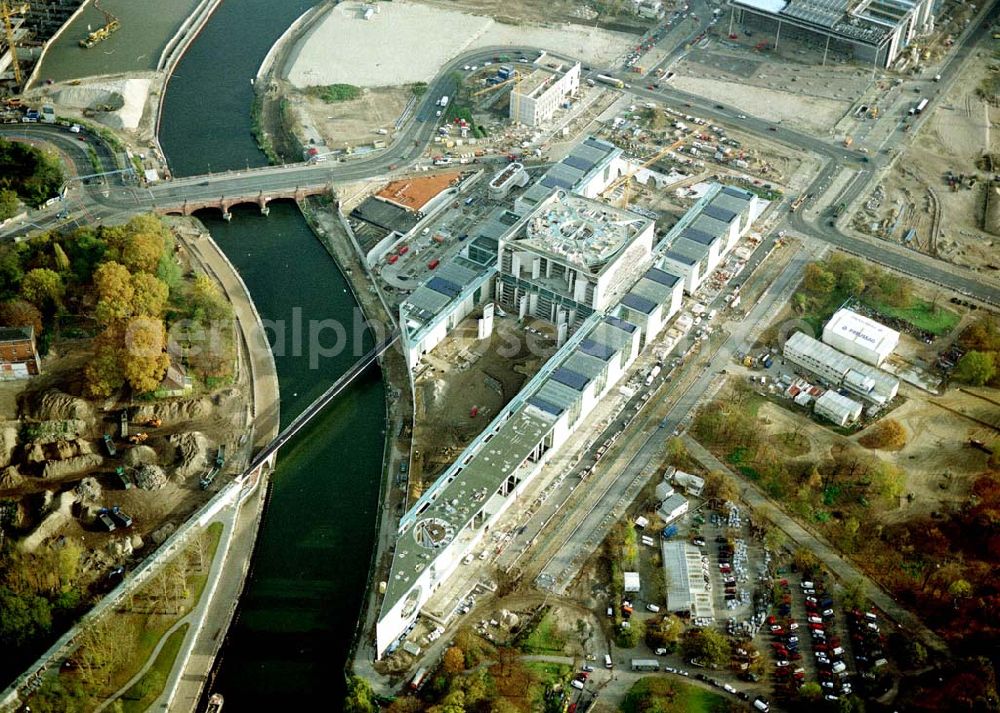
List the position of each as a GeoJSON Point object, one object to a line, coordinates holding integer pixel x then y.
{"type": "Point", "coordinates": [152, 627]}
{"type": "Point", "coordinates": [336, 92]}
{"type": "Point", "coordinates": [922, 315]}
{"type": "Point", "coordinates": [545, 675]}
{"type": "Point", "coordinates": [146, 689]}
{"type": "Point", "coordinates": [790, 444]}
{"type": "Point", "coordinates": [545, 638]}
{"type": "Point", "coordinates": [667, 695]}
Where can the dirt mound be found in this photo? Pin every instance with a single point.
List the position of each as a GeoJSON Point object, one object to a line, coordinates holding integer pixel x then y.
{"type": "Point", "coordinates": [63, 449]}
{"type": "Point", "coordinates": [192, 451]}
{"type": "Point", "coordinates": [140, 455]}
{"type": "Point", "coordinates": [150, 477]}
{"type": "Point", "coordinates": [58, 406]}
{"type": "Point", "coordinates": [181, 410]}
{"type": "Point", "coordinates": [71, 466]}
{"type": "Point", "coordinates": [8, 442]}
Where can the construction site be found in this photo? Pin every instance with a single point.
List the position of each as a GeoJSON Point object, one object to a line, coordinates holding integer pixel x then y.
{"type": "Point", "coordinates": [940, 197]}
{"type": "Point", "coordinates": [27, 26]}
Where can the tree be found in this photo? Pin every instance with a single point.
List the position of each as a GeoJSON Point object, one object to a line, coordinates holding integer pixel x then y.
{"type": "Point", "coordinates": [60, 258]}
{"type": "Point", "coordinates": [144, 361]}
{"type": "Point", "coordinates": [888, 434]}
{"type": "Point", "coordinates": [719, 486]}
{"type": "Point", "coordinates": [20, 313]}
{"type": "Point", "coordinates": [103, 373]}
{"type": "Point", "coordinates": [150, 295]}
{"type": "Point", "coordinates": [43, 287]}
{"type": "Point", "coordinates": [708, 646]}
{"type": "Point", "coordinates": [115, 293]}
{"type": "Point", "coordinates": [817, 280]}
{"type": "Point", "coordinates": [810, 692]}
{"type": "Point", "coordinates": [34, 174]}
{"type": "Point", "coordinates": [975, 367]}
{"type": "Point", "coordinates": [664, 633]}
{"type": "Point", "coordinates": [359, 698]}
{"type": "Point", "coordinates": [453, 660]}
{"type": "Point", "coordinates": [852, 282]}
{"type": "Point", "coordinates": [960, 589]}
{"type": "Point", "coordinates": [142, 252]}
{"type": "Point", "coordinates": [9, 203]}
{"type": "Point", "coordinates": [207, 299]}
{"type": "Point", "coordinates": [25, 617]}
{"type": "Point", "coordinates": [805, 560]}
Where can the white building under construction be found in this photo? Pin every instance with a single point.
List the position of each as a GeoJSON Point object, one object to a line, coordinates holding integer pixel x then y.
{"type": "Point", "coordinates": [875, 31]}
{"type": "Point", "coordinates": [535, 98]}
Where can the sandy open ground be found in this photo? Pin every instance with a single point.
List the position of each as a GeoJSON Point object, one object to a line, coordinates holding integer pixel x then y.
{"type": "Point", "coordinates": [408, 42]}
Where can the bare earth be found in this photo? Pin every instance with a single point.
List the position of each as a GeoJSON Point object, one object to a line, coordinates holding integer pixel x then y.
{"type": "Point", "coordinates": [409, 42]}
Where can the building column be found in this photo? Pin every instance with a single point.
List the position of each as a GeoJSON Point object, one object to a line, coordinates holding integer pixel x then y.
{"type": "Point", "coordinates": [776, 36]}
{"type": "Point", "coordinates": [732, 16]}
{"type": "Point", "coordinates": [826, 49]}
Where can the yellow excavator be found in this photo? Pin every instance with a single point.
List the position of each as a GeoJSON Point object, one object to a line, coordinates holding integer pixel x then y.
{"type": "Point", "coordinates": [111, 25]}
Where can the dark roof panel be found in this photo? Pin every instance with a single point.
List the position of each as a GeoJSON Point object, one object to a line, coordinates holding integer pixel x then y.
{"type": "Point", "coordinates": [714, 211]}
{"type": "Point", "coordinates": [546, 406]}
{"type": "Point", "coordinates": [664, 278]}
{"type": "Point", "coordinates": [578, 162]}
{"type": "Point", "coordinates": [445, 287]}
{"type": "Point", "coordinates": [640, 303]}
{"type": "Point", "coordinates": [553, 182]}
{"type": "Point", "coordinates": [596, 349]}
{"type": "Point", "coordinates": [737, 193]}
{"type": "Point", "coordinates": [683, 259]}
{"type": "Point", "coordinates": [570, 378]}
{"type": "Point", "coordinates": [620, 323]}
{"type": "Point", "coordinates": [699, 236]}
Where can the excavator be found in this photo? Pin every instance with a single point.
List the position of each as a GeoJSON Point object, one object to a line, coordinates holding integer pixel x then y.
{"type": "Point", "coordinates": [111, 25]}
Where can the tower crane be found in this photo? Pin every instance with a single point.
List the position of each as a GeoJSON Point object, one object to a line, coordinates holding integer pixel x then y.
{"type": "Point", "coordinates": [8, 11]}
{"type": "Point", "coordinates": [626, 178]}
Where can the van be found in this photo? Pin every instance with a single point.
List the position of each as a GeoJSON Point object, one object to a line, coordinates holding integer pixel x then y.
{"type": "Point", "coordinates": [607, 661]}
{"type": "Point", "coordinates": [653, 608]}
{"type": "Point", "coordinates": [761, 704]}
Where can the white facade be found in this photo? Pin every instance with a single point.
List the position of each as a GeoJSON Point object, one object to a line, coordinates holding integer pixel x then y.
{"type": "Point", "coordinates": [535, 99]}
{"type": "Point", "coordinates": [837, 408]}
{"type": "Point", "coordinates": [839, 369]}
{"type": "Point", "coordinates": [861, 337]}
{"type": "Point", "coordinates": [672, 508]}
{"type": "Point", "coordinates": [631, 581]}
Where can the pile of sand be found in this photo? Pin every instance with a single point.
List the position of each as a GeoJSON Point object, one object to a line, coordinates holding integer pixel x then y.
{"type": "Point", "coordinates": [58, 406]}
{"type": "Point", "coordinates": [71, 466]}
{"type": "Point", "coordinates": [192, 453]}
{"type": "Point", "coordinates": [117, 103]}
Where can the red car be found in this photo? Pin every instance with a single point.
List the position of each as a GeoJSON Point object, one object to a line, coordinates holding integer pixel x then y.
{"type": "Point", "coordinates": [817, 627]}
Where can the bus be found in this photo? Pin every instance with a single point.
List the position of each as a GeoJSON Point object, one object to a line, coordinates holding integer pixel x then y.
{"type": "Point", "coordinates": [645, 665]}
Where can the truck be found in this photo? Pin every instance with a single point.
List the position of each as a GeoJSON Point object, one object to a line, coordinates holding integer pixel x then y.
{"type": "Point", "coordinates": [123, 478]}
{"type": "Point", "coordinates": [220, 456]}
{"type": "Point", "coordinates": [418, 678]}
{"type": "Point", "coordinates": [653, 373]}
{"type": "Point", "coordinates": [645, 665]}
{"type": "Point", "coordinates": [105, 520]}
{"type": "Point", "coordinates": [443, 101]}
{"type": "Point", "coordinates": [611, 81]}
{"type": "Point", "coordinates": [120, 518]}
{"type": "Point", "coordinates": [109, 445]}
{"type": "Point", "coordinates": [921, 106]}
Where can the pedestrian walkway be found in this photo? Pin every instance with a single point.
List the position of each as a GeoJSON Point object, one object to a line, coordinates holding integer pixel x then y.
{"type": "Point", "coordinates": [819, 546]}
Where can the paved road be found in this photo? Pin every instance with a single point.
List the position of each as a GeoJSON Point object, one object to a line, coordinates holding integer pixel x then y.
{"type": "Point", "coordinates": [818, 545]}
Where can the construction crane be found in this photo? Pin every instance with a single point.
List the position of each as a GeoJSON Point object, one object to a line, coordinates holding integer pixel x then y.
{"type": "Point", "coordinates": [626, 178]}
{"type": "Point", "coordinates": [515, 77]}
{"type": "Point", "coordinates": [8, 12]}
{"type": "Point", "coordinates": [111, 25]}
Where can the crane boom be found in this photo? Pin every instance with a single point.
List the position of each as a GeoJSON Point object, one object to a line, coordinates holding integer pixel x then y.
{"type": "Point", "coordinates": [626, 177]}
{"type": "Point", "coordinates": [8, 26]}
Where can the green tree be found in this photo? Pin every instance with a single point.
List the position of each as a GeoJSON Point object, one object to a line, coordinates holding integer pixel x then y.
{"type": "Point", "coordinates": [976, 368]}
{"type": "Point", "coordinates": [103, 373]}
{"type": "Point", "coordinates": [150, 295]}
{"type": "Point", "coordinates": [359, 698]}
{"type": "Point", "coordinates": [142, 252]}
{"type": "Point", "coordinates": [9, 203]}
{"type": "Point", "coordinates": [59, 694]}
{"type": "Point", "coordinates": [664, 633]}
{"type": "Point", "coordinates": [115, 293]}
{"type": "Point", "coordinates": [852, 282]}
{"type": "Point", "coordinates": [20, 313]}
{"type": "Point", "coordinates": [143, 359]}
{"type": "Point", "coordinates": [810, 692]}
{"type": "Point", "coordinates": [707, 646]}
{"type": "Point", "coordinates": [34, 174]}
{"type": "Point", "coordinates": [960, 589]}
{"type": "Point", "coordinates": [43, 288]}
{"type": "Point", "coordinates": [85, 251]}
{"type": "Point", "coordinates": [60, 258]}
{"type": "Point", "coordinates": [25, 617]}
{"type": "Point", "coordinates": [817, 280]}
{"type": "Point", "coordinates": [207, 299]}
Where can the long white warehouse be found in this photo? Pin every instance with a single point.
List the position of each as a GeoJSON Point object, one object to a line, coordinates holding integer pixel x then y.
{"type": "Point", "coordinates": [861, 337]}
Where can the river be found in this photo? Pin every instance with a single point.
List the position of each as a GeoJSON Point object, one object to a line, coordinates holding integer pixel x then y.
{"type": "Point", "coordinates": [302, 600]}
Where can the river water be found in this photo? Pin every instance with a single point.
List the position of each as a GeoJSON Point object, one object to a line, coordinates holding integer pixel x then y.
{"type": "Point", "coordinates": [302, 601]}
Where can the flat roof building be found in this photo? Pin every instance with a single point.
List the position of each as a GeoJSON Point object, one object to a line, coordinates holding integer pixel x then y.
{"type": "Point", "coordinates": [861, 337]}
{"type": "Point", "coordinates": [587, 170]}
{"type": "Point", "coordinates": [535, 98]}
{"type": "Point", "coordinates": [672, 508]}
{"type": "Point", "coordinates": [572, 256]}
{"type": "Point", "coordinates": [840, 370]}
{"type": "Point", "coordinates": [706, 233]}
{"type": "Point", "coordinates": [876, 31]}
{"type": "Point", "coordinates": [837, 408]}
{"type": "Point", "coordinates": [18, 353]}
{"type": "Point", "coordinates": [413, 194]}
{"type": "Point", "coordinates": [686, 575]}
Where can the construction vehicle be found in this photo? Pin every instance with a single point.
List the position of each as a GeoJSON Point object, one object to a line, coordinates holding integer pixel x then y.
{"type": "Point", "coordinates": [111, 25]}
{"type": "Point", "coordinates": [848, 140]}
{"type": "Point", "coordinates": [514, 77]}
{"type": "Point", "coordinates": [8, 11]}
{"type": "Point", "coordinates": [152, 422]}
{"type": "Point", "coordinates": [137, 438]}
{"type": "Point", "coordinates": [796, 203]}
